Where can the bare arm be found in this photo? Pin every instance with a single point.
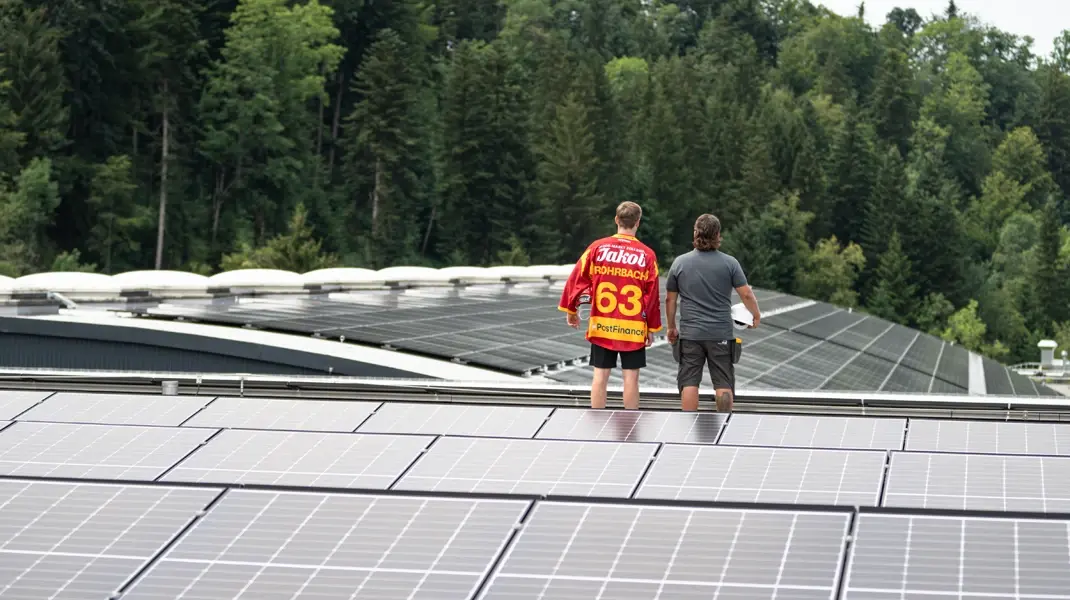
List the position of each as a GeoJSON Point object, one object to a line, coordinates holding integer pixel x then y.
{"type": "Point", "coordinates": [747, 296]}
{"type": "Point", "coordinates": [670, 309]}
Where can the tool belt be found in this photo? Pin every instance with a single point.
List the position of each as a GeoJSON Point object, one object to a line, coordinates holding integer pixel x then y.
{"type": "Point", "coordinates": [736, 348]}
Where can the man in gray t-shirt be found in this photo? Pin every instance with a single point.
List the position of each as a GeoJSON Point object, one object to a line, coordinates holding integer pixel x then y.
{"type": "Point", "coordinates": [702, 280]}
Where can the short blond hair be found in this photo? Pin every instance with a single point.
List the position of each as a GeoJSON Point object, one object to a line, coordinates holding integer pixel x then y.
{"type": "Point", "coordinates": [628, 214]}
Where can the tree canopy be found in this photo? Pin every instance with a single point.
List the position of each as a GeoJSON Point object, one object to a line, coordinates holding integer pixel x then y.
{"type": "Point", "coordinates": [919, 170]}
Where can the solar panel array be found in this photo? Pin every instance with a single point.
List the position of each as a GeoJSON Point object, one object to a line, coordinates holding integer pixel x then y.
{"type": "Point", "coordinates": [801, 344]}
{"type": "Point", "coordinates": [181, 497]}
{"type": "Point", "coordinates": [818, 346]}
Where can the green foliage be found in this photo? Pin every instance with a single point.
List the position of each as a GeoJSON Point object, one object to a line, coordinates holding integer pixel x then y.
{"type": "Point", "coordinates": [258, 129]}
{"type": "Point", "coordinates": [383, 162]}
{"type": "Point", "coordinates": [772, 243]}
{"type": "Point", "coordinates": [831, 271]}
{"type": "Point", "coordinates": [31, 56]}
{"type": "Point", "coordinates": [297, 250]}
{"type": "Point", "coordinates": [933, 314]}
{"type": "Point", "coordinates": [1052, 279]}
{"type": "Point", "coordinates": [25, 212]}
{"type": "Point", "coordinates": [119, 220]}
{"type": "Point", "coordinates": [300, 134]}
{"type": "Point", "coordinates": [893, 295]}
{"type": "Point", "coordinates": [71, 262]}
{"type": "Point", "coordinates": [966, 329]}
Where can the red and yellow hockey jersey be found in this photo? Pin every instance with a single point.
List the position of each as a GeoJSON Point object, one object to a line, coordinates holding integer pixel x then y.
{"type": "Point", "coordinates": [621, 275]}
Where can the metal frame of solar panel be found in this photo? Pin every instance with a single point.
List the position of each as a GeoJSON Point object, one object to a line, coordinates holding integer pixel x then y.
{"type": "Point", "coordinates": [580, 504]}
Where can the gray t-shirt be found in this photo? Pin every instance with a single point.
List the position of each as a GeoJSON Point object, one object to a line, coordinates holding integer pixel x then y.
{"type": "Point", "coordinates": [705, 280]}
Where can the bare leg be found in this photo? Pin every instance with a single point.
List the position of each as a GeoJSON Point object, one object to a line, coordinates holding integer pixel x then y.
{"type": "Point", "coordinates": [631, 388]}
{"type": "Point", "coordinates": [724, 400]}
{"type": "Point", "coordinates": [689, 398]}
{"type": "Point", "coordinates": [598, 388]}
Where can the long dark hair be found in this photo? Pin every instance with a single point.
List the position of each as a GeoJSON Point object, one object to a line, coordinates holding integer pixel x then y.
{"type": "Point", "coordinates": [707, 233]}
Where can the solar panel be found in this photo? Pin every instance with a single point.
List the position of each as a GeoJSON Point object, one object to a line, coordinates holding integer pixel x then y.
{"type": "Point", "coordinates": [494, 465]}
{"type": "Point", "coordinates": [116, 409]}
{"type": "Point", "coordinates": [901, 556]}
{"type": "Point", "coordinates": [633, 426]}
{"type": "Point", "coordinates": [989, 437]}
{"type": "Point", "coordinates": [80, 541]}
{"type": "Point", "coordinates": [925, 354]}
{"type": "Point", "coordinates": [457, 419]}
{"type": "Point", "coordinates": [862, 373]}
{"type": "Point", "coordinates": [12, 404]}
{"type": "Point", "coordinates": [94, 451]}
{"type": "Point", "coordinates": [797, 317]}
{"type": "Point", "coordinates": [303, 459]}
{"type": "Point", "coordinates": [810, 368]}
{"type": "Point", "coordinates": [807, 431]}
{"type": "Point", "coordinates": [978, 482]}
{"type": "Point", "coordinates": [289, 545]}
{"type": "Point", "coordinates": [954, 366]}
{"type": "Point", "coordinates": [768, 475]}
{"type": "Point", "coordinates": [271, 413]}
{"type": "Point", "coordinates": [997, 378]}
{"type": "Point", "coordinates": [468, 323]}
{"type": "Point", "coordinates": [582, 551]}
{"type": "Point", "coordinates": [829, 325]}
{"type": "Point", "coordinates": [905, 379]}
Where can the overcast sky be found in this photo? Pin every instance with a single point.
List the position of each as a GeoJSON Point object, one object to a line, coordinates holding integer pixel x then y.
{"type": "Point", "coordinates": [1041, 19]}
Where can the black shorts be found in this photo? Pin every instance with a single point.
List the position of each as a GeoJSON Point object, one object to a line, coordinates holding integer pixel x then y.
{"type": "Point", "coordinates": [607, 359]}
{"type": "Point", "coordinates": [717, 355]}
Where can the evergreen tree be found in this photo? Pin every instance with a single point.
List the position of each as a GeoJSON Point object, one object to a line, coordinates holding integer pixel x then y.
{"type": "Point", "coordinates": [485, 156]}
{"type": "Point", "coordinates": [1052, 279]}
{"type": "Point", "coordinates": [387, 170]}
{"type": "Point", "coordinates": [26, 210]}
{"type": "Point", "coordinates": [1051, 122]}
{"type": "Point", "coordinates": [881, 213]}
{"type": "Point", "coordinates": [119, 222]}
{"type": "Point", "coordinates": [894, 293]}
{"type": "Point", "coordinates": [32, 59]}
{"type": "Point", "coordinates": [850, 173]}
{"type": "Point", "coordinates": [568, 185]}
{"type": "Point", "coordinates": [894, 100]}
{"type": "Point", "coordinates": [258, 136]}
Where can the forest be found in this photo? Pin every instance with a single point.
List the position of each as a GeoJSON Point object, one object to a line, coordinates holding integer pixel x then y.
{"type": "Point", "coordinates": [918, 171]}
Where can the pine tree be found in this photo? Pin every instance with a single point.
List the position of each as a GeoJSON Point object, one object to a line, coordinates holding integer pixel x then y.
{"type": "Point", "coordinates": [119, 221]}
{"type": "Point", "coordinates": [1052, 281]}
{"type": "Point", "coordinates": [384, 167]}
{"type": "Point", "coordinates": [26, 211]}
{"type": "Point", "coordinates": [1052, 126]}
{"type": "Point", "coordinates": [567, 183]}
{"type": "Point", "coordinates": [485, 156]}
{"type": "Point", "coordinates": [894, 103]}
{"type": "Point", "coordinates": [33, 61]}
{"type": "Point", "coordinates": [850, 174]}
{"type": "Point", "coordinates": [881, 215]}
{"type": "Point", "coordinates": [11, 139]}
{"type": "Point", "coordinates": [259, 134]}
{"type": "Point", "coordinates": [894, 293]}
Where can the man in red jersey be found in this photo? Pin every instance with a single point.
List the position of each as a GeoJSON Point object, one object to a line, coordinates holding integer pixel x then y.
{"type": "Point", "coordinates": [621, 275]}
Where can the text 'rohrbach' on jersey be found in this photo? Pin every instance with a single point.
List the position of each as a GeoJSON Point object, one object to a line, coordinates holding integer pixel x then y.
{"type": "Point", "coordinates": [620, 274]}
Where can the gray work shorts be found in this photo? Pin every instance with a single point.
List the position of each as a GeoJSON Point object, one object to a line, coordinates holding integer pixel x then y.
{"type": "Point", "coordinates": [694, 355]}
